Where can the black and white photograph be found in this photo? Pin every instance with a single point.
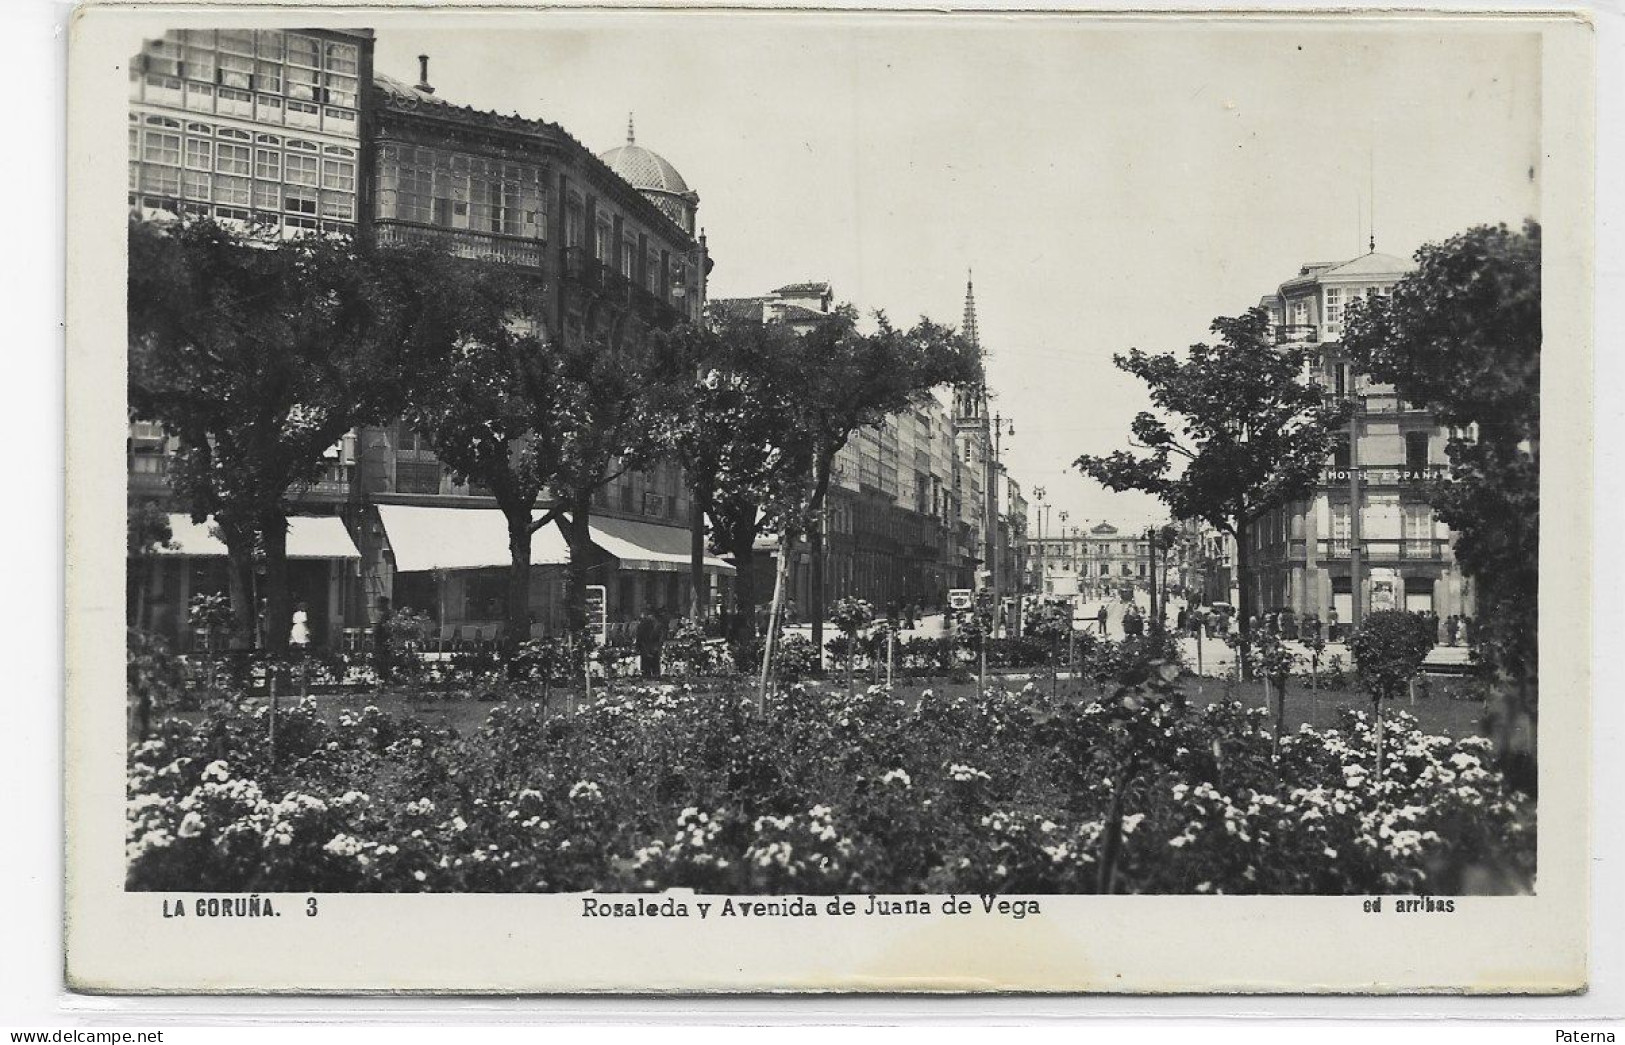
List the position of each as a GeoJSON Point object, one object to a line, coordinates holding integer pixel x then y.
{"type": "Point", "coordinates": [880, 466]}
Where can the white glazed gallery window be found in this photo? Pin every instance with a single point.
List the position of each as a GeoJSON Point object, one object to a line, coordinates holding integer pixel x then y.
{"type": "Point", "coordinates": [1334, 307]}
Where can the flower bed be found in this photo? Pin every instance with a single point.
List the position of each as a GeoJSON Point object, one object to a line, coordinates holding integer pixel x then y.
{"type": "Point", "coordinates": [657, 787]}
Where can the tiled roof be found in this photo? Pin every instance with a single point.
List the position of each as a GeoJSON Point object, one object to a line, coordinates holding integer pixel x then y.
{"type": "Point", "coordinates": [1372, 264]}
{"type": "Point", "coordinates": [803, 288]}
{"type": "Point", "coordinates": [644, 169]}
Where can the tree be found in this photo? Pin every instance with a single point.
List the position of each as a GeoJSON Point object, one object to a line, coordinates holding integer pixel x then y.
{"type": "Point", "coordinates": [1252, 432]}
{"type": "Point", "coordinates": [259, 355]}
{"type": "Point", "coordinates": [1388, 651]}
{"type": "Point", "coordinates": [1461, 337]}
{"type": "Point", "coordinates": [147, 533]}
{"type": "Point", "coordinates": [852, 380]}
{"type": "Point", "coordinates": [742, 459]}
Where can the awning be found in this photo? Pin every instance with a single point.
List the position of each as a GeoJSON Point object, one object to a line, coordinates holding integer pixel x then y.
{"type": "Point", "coordinates": [461, 539]}
{"type": "Point", "coordinates": [427, 538]}
{"type": "Point", "coordinates": [309, 537]}
{"type": "Point", "coordinates": [649, 546]}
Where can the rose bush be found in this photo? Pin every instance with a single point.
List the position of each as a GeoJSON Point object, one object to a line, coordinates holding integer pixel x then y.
{"type": "Point", "coordinates": [651, 787]}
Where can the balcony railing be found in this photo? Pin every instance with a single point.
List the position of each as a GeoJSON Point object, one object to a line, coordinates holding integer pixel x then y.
{"type": "Point", "coordinates": [465, 243]}
{"type": "Point", "coordinates": [1386, 549]}
{"type": "Point", "coordinates": [1294, 333]}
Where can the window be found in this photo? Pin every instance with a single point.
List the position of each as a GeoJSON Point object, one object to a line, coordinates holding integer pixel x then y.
{"type": "Point", "coordinates": [1418, 523]}
{"type": "Point", "coordinates": [200, 96]}
{"type": "Point", "coordinates": [232, 159]}
{"type": "Point", "coordinates": [1341, 458]}
{"type": "Point", "coordinates": [301, 170]}
{"type": "Point", "coordinates": [235, 102]}
{"type": "Point", "coordinates": [338, 174]}
{"type": "Point", "coordinates": [1416, 452]}
{"type": "Point", "coordinates": [267, 76]}
{"type": "Point", "coordinates": [162, 147]}
{"type": "Point", "coordinates": [267, 196]}
{"type": "Point", "coordinates": [303, 114]}
{"type": "Point", "coordinates": [303, 50]}
{"type": "Point", "coordinates": [299, 201]}
{"type": "Point", "coordinates": [268, 164]}
{"type": "Point", "coordinates": [268, 44]}
{"type": "Point", "coordinates": [1334, 304]}
{"type": "Point", "coordinates": [199, 154]}
{"type": "Point", "coordinates": [342, 58]}
{"type": "Point", "coordinates": [417, 477]}
{"type": "Point", "coordinates": [196, 185]}
{"type": "Point", "coordinates": [338, 205]}
{"type": "Point", "coordinates": [268, 109]}
{"type": "Point", "coordinates": [163, 89]}
{"type": "Point", "coordinates": [230, 190]}
{"type": "Point", "coordinates": [236, 41]}
{"type": "Point", "coordinates": [236, 71]}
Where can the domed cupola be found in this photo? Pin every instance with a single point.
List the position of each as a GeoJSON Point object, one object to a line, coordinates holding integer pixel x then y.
{"type": "Point", "coordinates": [650, 174]}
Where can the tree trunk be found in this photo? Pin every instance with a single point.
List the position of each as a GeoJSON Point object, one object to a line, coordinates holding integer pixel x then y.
{"type": "Point", "coordinates": [697, 609]}
{"type": "Point", "coordinates": [240, 587]}
{"type": "Point", "coordinates": [578, 537]}
{"type": "Point", "coordinates": [815, 541]}
{"type": "Point", "coordinates": [742, 548]}
{"type": "Point", "coordinates": [1280, 709]}
{"type": "Point", "coordinates": [516, 618]}
{"type": "Point", "coordinates": [815, 577]}
{"type": "Point", "coordinates": [1244, 598]}
{"type": "Point", "coordinates": [278, 599]}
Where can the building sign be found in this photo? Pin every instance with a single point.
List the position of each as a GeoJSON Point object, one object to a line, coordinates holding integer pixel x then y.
{"type": "Point", "coordinates": [598, 612]}
{"type": "Point", "coordinates": [1386, 475]}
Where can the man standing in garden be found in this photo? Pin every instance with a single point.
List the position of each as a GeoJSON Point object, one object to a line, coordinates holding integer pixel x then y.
{"type": "Point", "coordinates": [1100, 618]}
{"type": "Point", "coordinates": [650, 636]}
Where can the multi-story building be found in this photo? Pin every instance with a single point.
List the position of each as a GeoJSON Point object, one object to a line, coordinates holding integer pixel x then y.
{"type": "Point", "coordinates": [1097, 561]}
{"type": "Point", "coordinates": [896, 528]}
{"type": "Point", "coordinates": [265, 128]}
{"type": "Point", "coordinates": [293, 129]}
{"type": "Point", "coordinates": [1367, 528]}
{"type": "Point", "coordinates": [612, 240]}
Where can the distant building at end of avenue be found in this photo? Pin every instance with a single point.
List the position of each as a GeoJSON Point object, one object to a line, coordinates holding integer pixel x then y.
{"type": "Point", "coordinates": [1091, 562]}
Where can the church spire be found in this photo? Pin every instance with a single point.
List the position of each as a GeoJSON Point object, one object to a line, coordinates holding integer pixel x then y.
{"type": "Point", "coordinates": [968, 327]}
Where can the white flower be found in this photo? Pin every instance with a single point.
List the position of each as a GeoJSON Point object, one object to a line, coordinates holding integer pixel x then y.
{"type": "Point", "coordinates": [192, 825]}
{"type": "Point", "coordinates": [217, 770]}
{"type": "Point", "coordinates": [897, 776]}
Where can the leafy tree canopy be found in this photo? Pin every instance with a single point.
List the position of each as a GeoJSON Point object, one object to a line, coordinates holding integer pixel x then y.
{"type": "Point", "coordinates": [1252, 434]}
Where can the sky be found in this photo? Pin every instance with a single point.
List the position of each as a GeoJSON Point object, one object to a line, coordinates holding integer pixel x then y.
{"type": "Point", "coordinates": [1111, 184]}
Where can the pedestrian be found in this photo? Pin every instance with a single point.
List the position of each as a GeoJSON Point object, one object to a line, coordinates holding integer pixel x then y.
{"type": "Point", "coordinates": [648, 639]}
{"type": "Point", "coordinates": [1452, 628]}
{"type": "Point", "coordinates": [299, 634]}
{"type": "Point", "coordinates": [1100, 618]}
{"type": "Point", "coordinates": [1465, 630]}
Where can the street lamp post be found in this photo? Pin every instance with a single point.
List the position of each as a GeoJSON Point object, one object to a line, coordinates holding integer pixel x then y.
{"type": "Point", "coordinates": [1001, 427]}
{"type": "Point", "coordinates": [1038, 495]}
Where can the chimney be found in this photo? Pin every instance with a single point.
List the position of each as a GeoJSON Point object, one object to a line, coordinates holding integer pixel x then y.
{"type": "Point", "coordinates": [423, 74]}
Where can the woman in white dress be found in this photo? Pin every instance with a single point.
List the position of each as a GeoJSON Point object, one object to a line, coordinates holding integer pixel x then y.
{"type": "Point", "coordinates": [300, 633]}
